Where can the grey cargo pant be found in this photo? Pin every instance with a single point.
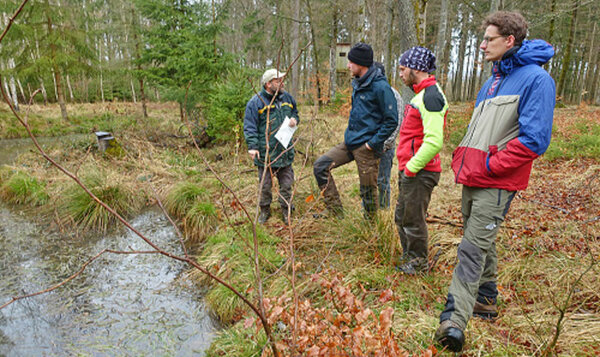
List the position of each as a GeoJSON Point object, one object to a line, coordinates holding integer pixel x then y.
{"type": "Point", "coordinates": [285, 176]}
{"type": "Point", "coordinates": [474, 277]}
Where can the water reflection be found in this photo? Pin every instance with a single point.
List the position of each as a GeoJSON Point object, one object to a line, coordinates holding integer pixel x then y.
{"type": "Point", "coordinates": [121, 304]}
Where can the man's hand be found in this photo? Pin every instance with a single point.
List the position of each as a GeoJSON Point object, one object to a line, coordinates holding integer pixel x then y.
{"type": "Point", "coordinates": [292, 122]}
{"type": "Point", "coordinates": [254, 154]}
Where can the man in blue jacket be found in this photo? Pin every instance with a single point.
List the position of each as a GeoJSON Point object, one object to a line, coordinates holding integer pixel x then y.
{"type": "Point", "coordinates": [510, 127]}
{"type": "Point", "coordinates": [373, 118]}
{"type": "Point", "coordinates": [265, 113]}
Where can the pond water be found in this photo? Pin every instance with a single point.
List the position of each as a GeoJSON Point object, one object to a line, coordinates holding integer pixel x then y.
{"type": "Point", "coordinates": [120, 305]}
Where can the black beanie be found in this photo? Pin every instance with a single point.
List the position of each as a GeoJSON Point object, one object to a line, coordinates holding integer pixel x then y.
{"type": "Point", "coordinates": [361, 54]}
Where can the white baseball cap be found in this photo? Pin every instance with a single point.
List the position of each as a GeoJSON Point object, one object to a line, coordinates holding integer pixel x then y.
{"type": "Point", "coordinates": [271, 74]}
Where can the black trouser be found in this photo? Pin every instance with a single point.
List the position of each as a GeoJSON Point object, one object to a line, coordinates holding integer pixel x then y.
{"type": "Point", "coordinates": [414, 194]}
{"type": "Point", "coordinates": [285, 176]}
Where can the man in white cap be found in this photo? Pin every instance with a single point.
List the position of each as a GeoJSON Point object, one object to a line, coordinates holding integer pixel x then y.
{"type": "Point", "coordinates": [265, 113]}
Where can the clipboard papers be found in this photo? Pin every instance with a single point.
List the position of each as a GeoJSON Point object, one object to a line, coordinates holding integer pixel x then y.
{"type": "Point", "coordinates": [285, 132]}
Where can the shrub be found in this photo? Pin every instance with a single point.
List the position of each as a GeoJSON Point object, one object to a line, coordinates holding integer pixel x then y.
{"type": "Point", "coordinates": [226, 105]}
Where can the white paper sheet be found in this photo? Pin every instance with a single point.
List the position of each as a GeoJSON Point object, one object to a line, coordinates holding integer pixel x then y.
{"type": "Point", "coordinates": [285, 132]}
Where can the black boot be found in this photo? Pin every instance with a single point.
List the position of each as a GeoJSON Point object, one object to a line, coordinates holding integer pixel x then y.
{"type": "Point", "coordinates": [265, 214]}
{"type": "Point", "coordinates": [450, 335]}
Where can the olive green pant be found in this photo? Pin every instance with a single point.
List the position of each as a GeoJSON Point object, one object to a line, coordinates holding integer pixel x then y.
{"type": "Point", "coordinates": [474, 277]}
{"type": "Point", "coordinates": [367, 163]}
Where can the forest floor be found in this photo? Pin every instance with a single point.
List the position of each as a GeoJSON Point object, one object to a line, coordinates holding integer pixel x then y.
{"type": "Point", "coordinates": [350, 297]}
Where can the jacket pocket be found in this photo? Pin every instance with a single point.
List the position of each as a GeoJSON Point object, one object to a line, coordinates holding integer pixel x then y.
{"type": "Point", "coordinates": [493, 149]}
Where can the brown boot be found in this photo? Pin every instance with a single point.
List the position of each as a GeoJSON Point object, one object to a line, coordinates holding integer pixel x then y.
{"type": "Point", "coordinates": [486, 312]}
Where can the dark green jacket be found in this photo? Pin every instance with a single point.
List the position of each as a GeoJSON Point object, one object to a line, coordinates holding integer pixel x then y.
{"type": "Point", "coordinates": [255, 123]}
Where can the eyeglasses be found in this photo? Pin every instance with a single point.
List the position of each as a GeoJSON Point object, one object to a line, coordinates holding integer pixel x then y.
{"type": "Point", "coordinates": [490, 39]}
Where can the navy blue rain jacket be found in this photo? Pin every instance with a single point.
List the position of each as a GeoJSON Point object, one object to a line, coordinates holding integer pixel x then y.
{"type": "Point", "coordinates": [374, 114]}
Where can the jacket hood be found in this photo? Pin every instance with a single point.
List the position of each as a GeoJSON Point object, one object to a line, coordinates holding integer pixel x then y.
{"type": "Point", "coordinates": [531, 52]}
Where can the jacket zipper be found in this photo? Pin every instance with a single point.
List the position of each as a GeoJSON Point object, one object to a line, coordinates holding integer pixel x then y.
{"type": "Point", "coordinates": [462, 162]}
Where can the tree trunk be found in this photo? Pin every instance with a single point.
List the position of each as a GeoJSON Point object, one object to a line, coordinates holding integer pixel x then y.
{"type": "Point", "coordinates": [407, 28]}
{"type": "Point", "coordinates": [590, 65]}
{"type": "Point", "coordinates": [44, 93]}
{"type": "Point", "coordinates": [477, 68]}
{"type": "Point", "coordinates": [13, 93]}
{"type": "Point", "coordinates": [315, 53]}
{"type": "Point", "coordinates": [487, 67]}
{"type": "Point", "coordinates": [139, 66]}
{"type": "Point", "coordinates": [295, 40]}
{"type": "Point", "coordinates": [70, 89]}
{"type": "Point", "coordinates": [20, 85]}
{"type": "Point", "coordinates": [56, 73]}
{"type": "Point", "coordinates": [440, 44]}
{"type": "Point", "coordinates": [101, 87]}
{"type": "Point", "coordinates": [333, 53]}
{"type": "Point", "coordinates": [458, 78]}
{"type": "Point", "coordinates": [389, 70]}
{"type": "Point", "coordinates": [133, 96]}
{"type": "Point", "coordinates": [567, 56]}
{"type": "Point", "coordinates": [362, 20]}
{"type": "Point", "coordinates": [421, 12]}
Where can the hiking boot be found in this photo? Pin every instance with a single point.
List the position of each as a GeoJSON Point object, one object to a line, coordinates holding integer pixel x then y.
{"type": "Point", "coordinates": [450, 335]}
{"type": "Point", "coordinates": [264, 215]}
{"type": "Point", "coordinates": [413, 266]}
{"type": "Point", "coordinates": [484, 311]}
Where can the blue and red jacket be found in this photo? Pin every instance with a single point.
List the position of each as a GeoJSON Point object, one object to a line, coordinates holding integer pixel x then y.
{"type": "Point", "coordinates": [511, 123]}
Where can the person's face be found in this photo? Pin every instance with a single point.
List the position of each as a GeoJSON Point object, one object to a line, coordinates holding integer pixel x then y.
{"type": "Point", "coordinates": [274, 85]}
{"type": "Point", "coordinates": [355, 69]}
{"type": "Point", "coordinates": [408, 76]}
{"type": "Point", "coordinates": [494, 45]}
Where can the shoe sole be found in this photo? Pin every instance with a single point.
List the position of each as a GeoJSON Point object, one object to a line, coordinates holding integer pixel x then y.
{"type": "Point", "coordinates": [489, 316]}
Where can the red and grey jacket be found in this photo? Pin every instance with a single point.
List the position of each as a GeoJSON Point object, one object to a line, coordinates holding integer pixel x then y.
{"type": "Point", "coordinates": [422, 131]}
{"type": "Point", "coordinates": [512, 121]}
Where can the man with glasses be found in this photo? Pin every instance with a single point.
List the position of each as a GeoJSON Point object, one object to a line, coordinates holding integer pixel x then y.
{"type": "Point", "coordinates": [510, 127]}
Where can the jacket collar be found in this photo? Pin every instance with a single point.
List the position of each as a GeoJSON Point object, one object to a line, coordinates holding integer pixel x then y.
{"type": "Point", "coordinates": [366, 78]}
{"type": "Point", "coordinates": [428, 82]}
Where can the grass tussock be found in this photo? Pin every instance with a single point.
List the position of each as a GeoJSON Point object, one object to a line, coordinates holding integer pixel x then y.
{"type": "Point", "coordinates": [23, 189]}
{"type": "Point", "coordinates": [193, 204]}
{"type": "Point", "coordinates": [229, 255]}
{"type": "Point", "coordinates": [78, 207]}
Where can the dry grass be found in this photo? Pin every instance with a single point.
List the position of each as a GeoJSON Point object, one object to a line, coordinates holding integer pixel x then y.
{"type": "Point", "coordinates": [547, 241]}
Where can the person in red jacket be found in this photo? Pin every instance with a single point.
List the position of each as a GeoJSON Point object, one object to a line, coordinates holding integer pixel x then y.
{"type": "Point", "coordinates": [420, 141]}
{"type": "Point", "coordinates": [510, 127]}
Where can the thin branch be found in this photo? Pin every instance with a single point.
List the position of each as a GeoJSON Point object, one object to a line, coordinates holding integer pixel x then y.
{"type": "Point", "coordinates": [12, 19]}
{"type": "Point", "coordinates": [17, 298]}
{"type": "Point", "coordinates": [177, 231]}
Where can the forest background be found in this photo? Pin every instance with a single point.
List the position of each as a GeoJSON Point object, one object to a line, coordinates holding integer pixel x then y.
{"type": "Point", "coordinates": [140, 68]}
